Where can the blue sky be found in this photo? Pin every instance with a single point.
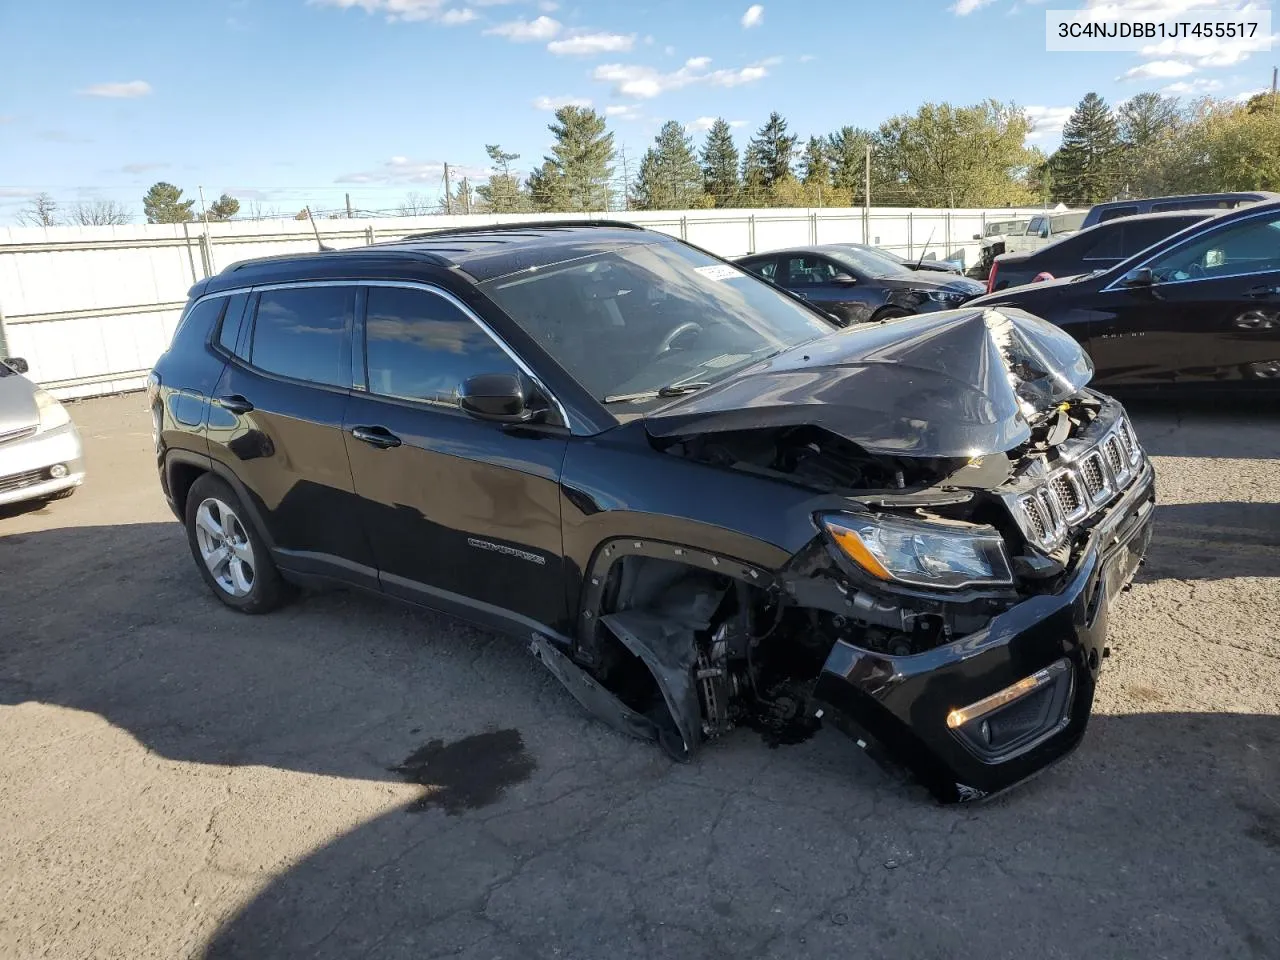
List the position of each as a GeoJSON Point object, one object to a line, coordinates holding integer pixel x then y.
{"type": "Point", "coordinates": [288, 102]}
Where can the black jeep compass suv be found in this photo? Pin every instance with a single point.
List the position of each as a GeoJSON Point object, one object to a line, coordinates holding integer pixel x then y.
{"type": "Point", "coordinates": [699, 502]}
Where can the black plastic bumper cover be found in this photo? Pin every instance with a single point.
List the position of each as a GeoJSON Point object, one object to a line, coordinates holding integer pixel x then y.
{"type": "Point", "coordinates": [904, 701]}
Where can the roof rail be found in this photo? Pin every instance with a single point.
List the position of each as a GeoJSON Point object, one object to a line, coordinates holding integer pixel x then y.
{"type": "Point", "coordinates": [528, 225]}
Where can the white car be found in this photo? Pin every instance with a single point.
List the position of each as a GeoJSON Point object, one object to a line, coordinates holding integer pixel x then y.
{"type": "Point", "coordinates": [40, 453]}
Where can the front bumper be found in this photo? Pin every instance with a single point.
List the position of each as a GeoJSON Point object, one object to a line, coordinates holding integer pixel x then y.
{"type": "Point", "coordinates": [27, 465]}
{"type": "Point", "coordinates": [905, 701]}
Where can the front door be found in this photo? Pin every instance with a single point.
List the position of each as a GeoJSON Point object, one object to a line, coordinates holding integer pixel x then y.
{"type": "Point", "coordinates": [1212, 315]}
{"type": "Point", "coordinates": [461, 514]}
{"type": "Point", "coordinates": [830, 287]}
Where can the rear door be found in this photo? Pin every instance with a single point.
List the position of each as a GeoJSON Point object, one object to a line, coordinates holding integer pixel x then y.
{"type": "Point", "coordinates": [462, 514]}
{"type": "Point", "coordinates": [276, 422]}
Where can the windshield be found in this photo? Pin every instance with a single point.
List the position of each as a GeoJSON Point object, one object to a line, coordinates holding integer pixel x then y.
{"type": "Point", "coordinates": [868, 262]}
{"type": "Point", "coordinates": [635, 319]}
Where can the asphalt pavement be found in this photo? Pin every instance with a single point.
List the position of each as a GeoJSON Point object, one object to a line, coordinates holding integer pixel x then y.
{"type": "Point", "coordinates": [353, 778]}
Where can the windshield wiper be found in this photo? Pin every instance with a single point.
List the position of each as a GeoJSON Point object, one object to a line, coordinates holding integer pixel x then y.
{"type": "Point", "coordinates": [671, 390]}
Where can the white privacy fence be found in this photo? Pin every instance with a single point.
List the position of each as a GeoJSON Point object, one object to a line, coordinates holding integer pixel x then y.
{"type": "Point", "coordinates": [91, 308]}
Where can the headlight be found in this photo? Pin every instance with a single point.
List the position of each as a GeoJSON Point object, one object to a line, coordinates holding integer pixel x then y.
{"type": "Point", "coordinates": [922, 554]}
{"type": "Point", "coordinates": [947, 296]}
{"type": "Point", "coordinates": [52, 413]}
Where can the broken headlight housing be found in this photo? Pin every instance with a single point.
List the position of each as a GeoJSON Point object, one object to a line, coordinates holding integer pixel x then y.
{"type": "Point", "coordinates": [921, 554]}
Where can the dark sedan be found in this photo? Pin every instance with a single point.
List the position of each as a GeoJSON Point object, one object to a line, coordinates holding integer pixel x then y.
{"type": "Point", "coordinates": [854, 285]}
{"type": "Point", "coordinates": [1199, 311]}
{"type": "Point", "coordinates": [1098, 248]}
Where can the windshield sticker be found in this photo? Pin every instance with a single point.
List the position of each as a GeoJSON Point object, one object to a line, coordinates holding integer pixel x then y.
{"type": "Point", "coordinates": [720, 271]}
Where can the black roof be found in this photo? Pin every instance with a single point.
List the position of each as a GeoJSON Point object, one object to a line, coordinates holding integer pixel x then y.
{"type": "Point", "coordinates": [482, 252]}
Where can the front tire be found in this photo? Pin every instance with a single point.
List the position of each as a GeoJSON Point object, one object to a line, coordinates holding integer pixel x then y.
{"type": "Point", "coordinates": [228, 551]}
{"type": "Point", "coordinates": [889, 313]}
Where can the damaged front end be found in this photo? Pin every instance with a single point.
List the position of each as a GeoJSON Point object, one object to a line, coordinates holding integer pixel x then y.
{"type": "Point", "coordinates": [977, 508]}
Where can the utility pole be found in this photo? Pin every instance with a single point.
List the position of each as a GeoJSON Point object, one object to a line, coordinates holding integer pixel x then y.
{"type": "Point", "coordinates": [866, 207]}
{"type": "Point", "coordinates": [448, 194]}
{"type": "Point", "coordinates": [348, 196]}
{"type": "Point", "coordinates": [466, 197]}
{"type": "Point", "coordinates": [626, 182]}
{"type": "Point", "coordinates": [1274, 72]}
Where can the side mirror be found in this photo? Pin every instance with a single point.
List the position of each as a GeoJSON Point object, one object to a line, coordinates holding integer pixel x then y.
{"type": "Point", "coordinates": [1140, 277]}
{"type": "Point", "coordinates": [847, 278]}
{"type": "Point", "coordinates": [17, 364]}
{"type": "Point", "coordinates": [501, 397]}
{"type": "Point", "coordinates": [977, 236]}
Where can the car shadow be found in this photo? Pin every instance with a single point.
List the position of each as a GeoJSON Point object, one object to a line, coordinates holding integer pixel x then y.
{"type": "Point", "coordinates": [539, 832]}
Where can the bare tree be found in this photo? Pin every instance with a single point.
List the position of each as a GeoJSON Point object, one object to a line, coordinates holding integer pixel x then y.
{"type": "Point", "coordinates": [99, 213]}
{"type": "Point", "coordinates": [42, 211]}
{"type": "Point", "coordinates": [416, 205]}
{"type": "Point", "coordinates": [257, 211]}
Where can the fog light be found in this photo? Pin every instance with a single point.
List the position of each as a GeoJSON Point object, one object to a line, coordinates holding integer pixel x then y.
{"type": "Point", "coordinates": [1019, 716]}
{"type": "Point", "coordinates": [58, 471]}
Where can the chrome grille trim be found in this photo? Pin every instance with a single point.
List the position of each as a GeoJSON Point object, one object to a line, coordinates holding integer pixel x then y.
{"type": "Point", "coordinates": [1046, 508]}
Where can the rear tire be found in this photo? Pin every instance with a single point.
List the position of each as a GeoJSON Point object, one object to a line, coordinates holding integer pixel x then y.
{"type": "Point", "coordinates": [229, 554]}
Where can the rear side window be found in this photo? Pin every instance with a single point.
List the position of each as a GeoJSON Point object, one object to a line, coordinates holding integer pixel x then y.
{"type": "Point", "coordinates": [1108, 243]}
{"type": "Point", "coordinates": [764, 268]}
{"type": "Point", "coordinates": [196, 324]}
{"type": "Point", "coordinates": [1115, 212]}
{"type": "Point", "coordinates": [300, 332]}
{"type": "Point", "coordinates": [1142, 234]}
{"type": "Point", "coordinates": [231, 320]}
{"type": "Point", "coordinates": [420, 346]}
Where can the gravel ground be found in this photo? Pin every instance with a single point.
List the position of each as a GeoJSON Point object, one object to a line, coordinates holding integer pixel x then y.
{"type": "Point", "coordinates": [178, 780]}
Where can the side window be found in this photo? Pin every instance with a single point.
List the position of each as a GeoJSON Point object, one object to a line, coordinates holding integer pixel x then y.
{"type": "Point", "coordinates": [1144, 233]}
{"type": "Point", "coordinates": [300, 332]}
{"type": "Point", "coordinates": [420, 346]}
{"type": "Point", "coordinates": [230, 331]}
{"type": "Point", "coordinates": [809, 271]}
{"type": "Point", "coordinates": [193, 328]}
{"type": "Point", "coordinates": [1108, 243]}
{"type": "Point", "coordinates": [1115, 212]}
{"type": "Point", "coordinates": [1038, 227]}
{"type": "Point", "coordinates": [1250, 246]}
{"type": "Point", "coordinates": [766, 268]}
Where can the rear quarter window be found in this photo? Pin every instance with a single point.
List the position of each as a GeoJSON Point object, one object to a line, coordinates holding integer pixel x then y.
{"type": "Point", "coordinates": [301, 332]}
{"type": "Point", "coordinates": [1116, 212]}
{"type": "Point", "coordinates": [197, 323]}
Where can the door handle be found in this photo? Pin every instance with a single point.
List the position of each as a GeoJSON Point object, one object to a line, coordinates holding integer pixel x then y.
{"type": "Point", "coordinates": [235, 403]}
{"type": "Point", "coordinates": [1263, 291]}
{"type": "Point", "coordinates": [379, 437]}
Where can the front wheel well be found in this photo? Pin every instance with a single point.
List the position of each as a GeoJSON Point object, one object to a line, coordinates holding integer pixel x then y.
{"type": "Point", "coordinates": [889, 312]}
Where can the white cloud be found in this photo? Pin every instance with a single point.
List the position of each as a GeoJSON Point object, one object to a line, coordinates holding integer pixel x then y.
{"type": "Point", "coordinates": [586, 44]}
{"type": "Point", "coordinates": [1248, 95]}
{"type": "Point", "coordinates": [701, 125]}
{"type": "Point", "coordinates": [622, 111]}
{"type": "Point", "coordinates": [807, 58]}
{"type": "Point", "coordinates": [963, 8]}
{"type": "Point", "coordinates": [641, 82]}
{"type": "Point", "coordinates": [555, 103]}
{"type": "Point", "coordinates": [451, 18]}
{"type": "Point", "coordinates": [142, 167]}
{"type": "Point", "coordinates": [20, 193]}
{"type": "Point", "coordinates": [129, 90]}
{"type": "Point", "coordinates": [524, 31]}
{"type": "Point", "coordinates": [395, 10]}
{"type": "Point", "coordinates": [1047, 121]}
{"type": "Point", "coordinates": [737, 123]}
{"type": "Point", "coordinates": [403, 170]}
{"type": "Point", "coordinates": [1195, 87]}
{"type": "Point", "coordinates": [1158, 68]}
{"type": "Point", "coordinates": [753, 17]}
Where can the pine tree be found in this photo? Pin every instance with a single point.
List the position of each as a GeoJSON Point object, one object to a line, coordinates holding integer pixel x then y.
{"type": "Point", "coordinates": [163, 203]}
{"type": "Point", "coordinates": [847, 150]}
{"type": "Point", "coordinates": [224, 208]}
{"type": "Point", "coordinates": [1150, 126]}
{"type": "Point", "coordinates": [1086, 167]}
{"type": "Point", "coordinates": [548, 189]}
{"type": "Point", "coordinates": [582, 158]}
{"type": "Point", "coordinates": [816, 168]}
{"type": "Point", "coordinates": [774, 148]}
{"type": "Point", "coordinates": [503, 193]}
{"type": "Point", "coordinates": [755, 185]}
{"type": "Point", "coordinates": [720, 165]}
{"type": "Point", "coordinates": [670, 178]}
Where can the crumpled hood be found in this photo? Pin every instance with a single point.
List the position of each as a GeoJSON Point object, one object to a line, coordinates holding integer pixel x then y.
{"type": "Point", "coordinates": [959, 383]}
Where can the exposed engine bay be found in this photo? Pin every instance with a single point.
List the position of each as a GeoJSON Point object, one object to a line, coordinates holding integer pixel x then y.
{"type": "Point", "coordinates": [932, 535]}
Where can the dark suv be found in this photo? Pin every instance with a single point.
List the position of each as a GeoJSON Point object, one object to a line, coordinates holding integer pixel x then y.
{"type": "Point", "coordinates": [700, 503]}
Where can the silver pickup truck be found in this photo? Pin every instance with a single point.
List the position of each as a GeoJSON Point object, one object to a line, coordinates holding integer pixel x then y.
{"type": "Point", "coordinates": [1043, 229]}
